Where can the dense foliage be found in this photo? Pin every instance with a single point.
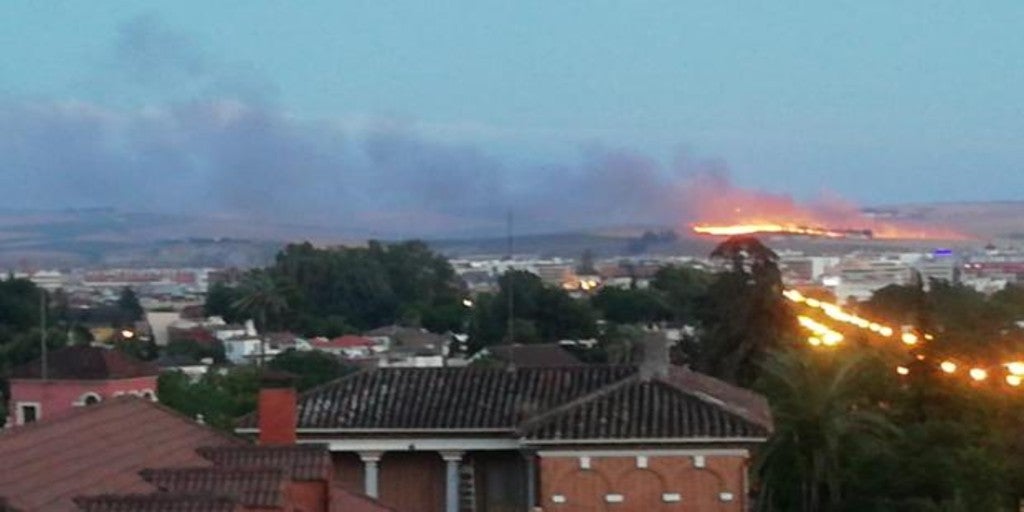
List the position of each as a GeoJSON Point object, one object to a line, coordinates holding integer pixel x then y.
{"type": "Point", "coordinates": [852, 435]}
{"type": "Point", "coordinates": [340, 290]}
{"type": "Point", "coordinates": [221, 397]}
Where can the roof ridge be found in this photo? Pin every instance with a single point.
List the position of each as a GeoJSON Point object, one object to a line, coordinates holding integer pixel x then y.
{"type": "Point", "coordinates": [727, 405]}
{"type": "Point", "coordinates": [572, 404]}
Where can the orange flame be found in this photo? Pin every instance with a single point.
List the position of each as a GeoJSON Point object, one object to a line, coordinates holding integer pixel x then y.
{"type": "Point", "coordinates": [723, 209]}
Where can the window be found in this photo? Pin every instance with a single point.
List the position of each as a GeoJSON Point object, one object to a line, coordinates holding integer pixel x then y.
{"type": "Point", "coordinates": [89, 398]}
{"type": "Point", "coordinates": [28, 412]}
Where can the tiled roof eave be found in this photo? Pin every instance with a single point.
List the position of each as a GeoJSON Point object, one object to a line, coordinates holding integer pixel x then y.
{"type": "Point", "coordinates": [443, 432]}
{"type": "Point", "coordinates": [648, 440]}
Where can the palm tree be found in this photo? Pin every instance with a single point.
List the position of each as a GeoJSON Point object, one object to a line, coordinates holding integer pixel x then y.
{"type": "Point", "coordinates": [818, 406]}
{"type": "Point", "coordinates": [261, 296]}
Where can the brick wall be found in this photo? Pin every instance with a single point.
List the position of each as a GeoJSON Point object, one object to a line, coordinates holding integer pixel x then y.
{"type": "Point", "coordinates": [580, 482]}
{"type": "Point", "coordinates": [412, 481]}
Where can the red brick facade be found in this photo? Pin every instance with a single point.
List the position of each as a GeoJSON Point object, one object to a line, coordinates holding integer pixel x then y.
{"type": "Point", "coordinates": [648, 483]}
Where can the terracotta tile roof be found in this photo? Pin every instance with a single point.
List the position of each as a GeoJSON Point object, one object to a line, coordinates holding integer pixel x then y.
{"type": "Point", "coordinates": [447, 398]}
{"type": "Point", "coordinates": [97, 450]}
{"type": "Point", "coordinates": [87, 363]}
{"type": "Point", "coordinates": [158, 502]}
{"type": "Point", "coordinates": [656, 409]}
{"type": "Point", "coordinates": [346, 341]}
{"type": "Point", "coordinates": [343, 500]}
{"type": "Point", "coordinates": [545, 354]}
{"type": "Point", "coordinates": [252, 487]}
{"type": "Point", "coordinates": [301, 462]}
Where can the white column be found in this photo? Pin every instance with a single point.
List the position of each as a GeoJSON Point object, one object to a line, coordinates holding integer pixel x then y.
{"type": "Point", "coordinates": [371, 473]}
{"type": "Point", "coordinates": [451, 489]}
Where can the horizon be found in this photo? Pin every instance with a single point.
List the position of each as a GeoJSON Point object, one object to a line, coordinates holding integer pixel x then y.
{"type": "Point", "coordinates": [445, 120]}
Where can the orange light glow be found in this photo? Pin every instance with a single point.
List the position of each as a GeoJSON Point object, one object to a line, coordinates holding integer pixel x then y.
{"type": "Point", "coordinates": [1013, 380]}
{"type": "Point", "coordinates": [1015, 368]}
{"type": "Point", "coordinates": [766, 228]}
{"type": "Point", "coordinates": [978, 374]}
{"type": "Point", "coordinates": [903, 370]}
{"type": "Point", "coordinates": [948, 366]}
{"type": "Point", "coordinates": [909, 338]}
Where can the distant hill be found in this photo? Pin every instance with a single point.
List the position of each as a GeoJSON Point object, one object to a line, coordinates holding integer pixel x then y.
{"type": "Point", "coordinates": [107, 237]}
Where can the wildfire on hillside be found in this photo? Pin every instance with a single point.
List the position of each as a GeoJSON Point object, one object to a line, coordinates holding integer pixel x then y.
{"type": "Point", "coordinates": [725, 210]}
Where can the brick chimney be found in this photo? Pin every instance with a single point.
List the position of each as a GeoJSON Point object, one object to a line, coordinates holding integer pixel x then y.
{"type": "Point", "coordinates": [277, 412]}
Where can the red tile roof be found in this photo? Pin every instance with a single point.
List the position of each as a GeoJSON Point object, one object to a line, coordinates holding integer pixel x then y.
{"type": "Point", "coordinates": [346, 341]}
{"type": "Point", "coordinates": [301, 462]}
{"type": "Point", "coordinates": [159, 502]}
{"type": "Point", "coordinates": [87, 363]}
{"type": "Point", "coordinates": [97, 450]}
{"type": "Point", "coordinates": [252, 487]}
{"type": "Point", "coordinates": [347, 501]}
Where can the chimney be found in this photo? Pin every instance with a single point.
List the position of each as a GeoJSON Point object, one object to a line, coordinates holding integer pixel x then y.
{"type": "Point", "coordinates": [277, 412]}
{"type": "Point", "coordinates": [655, 362]}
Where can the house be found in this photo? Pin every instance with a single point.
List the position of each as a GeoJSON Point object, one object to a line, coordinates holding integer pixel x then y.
{"type": "Point", "coordinates": [347, 346]}
{"type": "Point", "coordinates": [574, 438]}
{"type": "Point", "coordinates": [408, 347]}
{"type": "Point", "coordinates": [531, 355]}
{"type": "Point", "coordinates": [76, 376]}
{"type": "Point", "coordinates": [414, 339]}
{"type": "Point", "coordinates": [185, 364]}
{"type": "Point", "coordinates": [129, 454]}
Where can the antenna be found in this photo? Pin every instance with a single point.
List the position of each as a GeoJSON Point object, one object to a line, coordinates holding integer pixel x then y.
{"type": "Point", "coordinates": [42, 333]}
{"type": "Point", "coordinates": [511, 287]}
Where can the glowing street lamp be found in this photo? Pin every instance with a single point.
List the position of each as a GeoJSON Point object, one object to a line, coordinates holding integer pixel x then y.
{"type": "Point", "coordinates": [978, 374]}
{"type": "Point", "coordinates": [948, 366]}
{"type": "Point", "coordinates": [903, 370]}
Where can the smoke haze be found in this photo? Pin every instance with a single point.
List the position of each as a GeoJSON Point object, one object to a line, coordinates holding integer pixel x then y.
{"type": "Point", "coordinates": [220, 143]}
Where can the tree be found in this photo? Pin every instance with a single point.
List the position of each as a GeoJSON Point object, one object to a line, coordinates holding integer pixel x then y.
{"type": "Point", "coordinates": [220, 301]}
{"type": "Point", "coordinates": [219, 398]}
{"type": "Point", "coordinates": [312, 368]}
{"type": "Point", "coordinates": [682, 289]}
{"type": "Point", "coordinates": [819, 406]}
{"type": "Point", "coordinates": [128, 303]}
{"type": "Point", "coordinates": [586, 265]}
{"type": "Point", "coordinates": [543, 313]}
{"type": "Point", "coordinates": [631, 306]}
{"type": "Point", "coordinates": [261, 296]}
{"type": "Point", "coordinates": [742, 316]}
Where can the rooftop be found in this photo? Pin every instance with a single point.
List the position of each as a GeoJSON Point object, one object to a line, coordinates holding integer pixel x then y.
{"type": "Point", "coordinates": [87, 363]}
{"type": "Point", "coordinates": [537, 355]}
{"type": "Point", "coordinates": [159, 502]}
{"type": "Point", "coordinates": [97, 450]}
{"type": "Point", "coordinates": [252, 487]}
{"type": "Point", "coordinates": [568, 403]}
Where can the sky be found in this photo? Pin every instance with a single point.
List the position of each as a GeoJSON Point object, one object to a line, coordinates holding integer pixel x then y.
{"type": "Point", "coordinates": [440, 117]}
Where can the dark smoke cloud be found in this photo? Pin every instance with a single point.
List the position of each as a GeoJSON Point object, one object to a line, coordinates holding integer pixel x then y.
{"type": "Point", "coordinates": [225, 148]}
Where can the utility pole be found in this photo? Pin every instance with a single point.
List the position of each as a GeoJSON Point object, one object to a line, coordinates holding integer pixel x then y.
{"type": "Point", "coordinates": [511, 287]}
{"type": "Point", "coordinates": [42, 334]}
